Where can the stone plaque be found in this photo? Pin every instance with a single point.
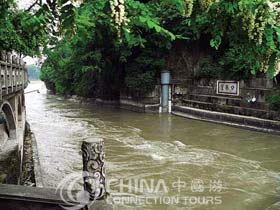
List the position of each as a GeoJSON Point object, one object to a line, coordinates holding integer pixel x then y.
{"type": "Point", "coordinates": [225, 87]}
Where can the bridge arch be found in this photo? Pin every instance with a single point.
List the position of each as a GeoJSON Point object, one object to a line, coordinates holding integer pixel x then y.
{"type": "Point", "coordinates": [7, 110]}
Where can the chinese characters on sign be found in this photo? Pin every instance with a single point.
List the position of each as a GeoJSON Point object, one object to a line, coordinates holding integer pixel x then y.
{"type": "Point", "coordinates": [228, 87]}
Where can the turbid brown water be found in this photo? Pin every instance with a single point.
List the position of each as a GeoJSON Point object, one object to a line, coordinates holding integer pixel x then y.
{"type": "Point", "coordinates": [218, 167]}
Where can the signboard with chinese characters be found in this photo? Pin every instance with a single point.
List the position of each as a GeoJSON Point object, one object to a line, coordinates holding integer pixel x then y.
{"type": "Point", "coordinates": [225, 87]}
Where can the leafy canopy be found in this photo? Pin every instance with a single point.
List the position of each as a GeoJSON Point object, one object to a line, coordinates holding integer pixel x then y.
{"type": "Point", "coordinates": [124, 43]}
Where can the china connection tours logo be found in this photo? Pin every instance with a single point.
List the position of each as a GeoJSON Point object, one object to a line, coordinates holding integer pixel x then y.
{"type": "Point", "coordinates": [141, 192]}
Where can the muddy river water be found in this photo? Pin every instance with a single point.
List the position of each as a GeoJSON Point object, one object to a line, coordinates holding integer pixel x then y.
{"type": "Point", "coordinates": [163, 161]}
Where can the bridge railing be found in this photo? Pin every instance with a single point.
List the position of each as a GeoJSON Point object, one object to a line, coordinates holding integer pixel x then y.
{"type": "Point", "coordinates": [13, 74]}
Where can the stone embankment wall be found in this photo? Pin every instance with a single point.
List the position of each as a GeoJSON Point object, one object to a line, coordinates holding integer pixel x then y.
{"type": "Point", "coordinates": [144, 103]}
{"type": "Point", "coordinates": [201, 93]}
{"type": "Point", "coordinates": [27, 176]}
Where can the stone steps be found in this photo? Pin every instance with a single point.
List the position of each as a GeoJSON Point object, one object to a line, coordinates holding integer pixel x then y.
{"type": "Point", "coordinates": [203, 96]}
{"type": "Point", "coordinates": [234, 101]}
{"type": "Point", "coordinates": [204, 90]}
{"type": "Point", "coordinates": [261, 113]}
{"type": "Point", "coordinates": [240, 121]}
{"type": "Point", "coordinates": [227, 100]}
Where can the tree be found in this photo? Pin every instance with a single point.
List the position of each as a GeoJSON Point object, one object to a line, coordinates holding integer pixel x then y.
{"type": "Point", "coordinates": [113, 42]}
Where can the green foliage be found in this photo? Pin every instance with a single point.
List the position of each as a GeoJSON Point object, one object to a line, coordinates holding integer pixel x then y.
{"type": "Point", "coordinates": [27, 30]}
{"type": "Point", "coordinates": [141, 72]}
{"type": "Point", "coordinates": [210, 69]}
{"type": "Point", "coordinates": [99, 60]}
{"type": "Point", "coordinates": [243, 34]}
{"type": "Point", "coordinates": [123, 46]}
{"type": "Point", "coordinates": [140, 82]}
{"type": "Point", "coordinates": [60, 60]}
{"type": "Point", "coordinates": [274, 102]}
{"type": "Point", "coordinates": [20, 30]}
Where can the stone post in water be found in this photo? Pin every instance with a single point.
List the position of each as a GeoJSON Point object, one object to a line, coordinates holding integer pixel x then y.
{"type": "Point", "coordinates": [94, 169]}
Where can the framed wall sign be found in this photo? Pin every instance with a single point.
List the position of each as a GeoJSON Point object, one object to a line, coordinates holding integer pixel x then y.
{"type": "Point", "coordinates": [225, 87]}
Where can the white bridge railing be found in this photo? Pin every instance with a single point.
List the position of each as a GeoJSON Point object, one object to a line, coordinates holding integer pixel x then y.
{"type": "Point", "coordinates": [13, 74]}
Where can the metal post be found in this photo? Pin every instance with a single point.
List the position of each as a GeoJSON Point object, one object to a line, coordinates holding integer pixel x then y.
{"type": "Point", "coordinates": [170, 100]}
{"type": "Point", "coordinates": [94, 169]}
{"type": "Point", "coordinates": [165, 81]}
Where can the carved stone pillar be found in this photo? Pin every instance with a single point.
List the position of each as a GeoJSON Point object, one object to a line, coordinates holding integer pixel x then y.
{"type": "Point", "coordinates": [94, 169]}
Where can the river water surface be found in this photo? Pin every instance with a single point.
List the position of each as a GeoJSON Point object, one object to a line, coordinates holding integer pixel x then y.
{"type": "Point", "coordinates": [177, 158]}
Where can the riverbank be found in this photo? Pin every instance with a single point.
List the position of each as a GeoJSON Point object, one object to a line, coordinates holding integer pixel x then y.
{"type": "Point", "coordinates": [131, 105]}
{"type": "Point", "coordinates": [27, 174]}
{"type": "Point", "coordinates": [13, 170]}
{"type": "Point", "coordinates": [9, 164]}
{"type": "Point", "coordinates": [234, 120]}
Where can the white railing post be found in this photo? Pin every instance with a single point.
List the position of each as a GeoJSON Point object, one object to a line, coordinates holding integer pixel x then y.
{"type": "Point", "coordinates": [11, 75]}
{"type": "Point", "coordinates": [6, 73]}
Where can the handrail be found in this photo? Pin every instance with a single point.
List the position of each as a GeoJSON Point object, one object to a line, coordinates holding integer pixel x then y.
{"type": "Point", "coordinates": [13, 74]}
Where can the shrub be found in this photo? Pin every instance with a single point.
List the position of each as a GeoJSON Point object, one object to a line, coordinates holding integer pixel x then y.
{"type": "Point", "coordinates": [209, 69]}
{"type": "Point", "coordinates": [274, 102]}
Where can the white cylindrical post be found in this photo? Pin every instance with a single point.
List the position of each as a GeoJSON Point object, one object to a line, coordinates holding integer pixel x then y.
{"type": "Point", "coordinates": [165, 82]}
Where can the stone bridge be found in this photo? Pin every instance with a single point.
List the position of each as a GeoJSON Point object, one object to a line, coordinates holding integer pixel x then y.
{"type": "Point", "coordinates": [12, 107]}
{"type": "Point", "coordinates": [13, 81]}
